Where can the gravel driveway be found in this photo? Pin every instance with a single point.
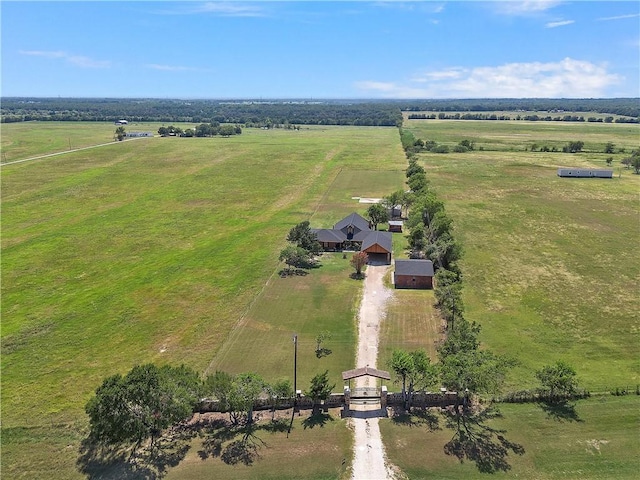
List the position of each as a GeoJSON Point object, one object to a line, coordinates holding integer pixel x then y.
{"type": "Point", "coordinates": [369, 462]}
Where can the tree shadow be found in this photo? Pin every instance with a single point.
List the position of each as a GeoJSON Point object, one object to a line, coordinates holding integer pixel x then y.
{"type": "Point", "coordinates": [357, 276]}
{"type": "Point", "coordinates": [323, 352]}
{"type": "Point", "coordinates": [475, 441]}
{"type": "Point", "coordinates": [416, 418]}
{"type": "Point", "coordinates": [317, 419]}
{"type": "Point", "coordinates": [98, 461]}
{"type": "Point", "coordinates": [292, 272]}
{"type": "Point", "coordinates": [279, 425]}
{"type": "Point", "coordinates": [561, 411]}
{"type": "Point", "coordinates": [237, 445]}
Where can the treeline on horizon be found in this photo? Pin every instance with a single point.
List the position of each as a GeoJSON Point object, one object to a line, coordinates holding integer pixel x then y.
{"type": "Point", "coordinates": [281, 112]}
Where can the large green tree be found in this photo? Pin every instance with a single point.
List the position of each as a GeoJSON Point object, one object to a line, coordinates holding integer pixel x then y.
{"type": "Point", "coordinates": [142, 404]}
{"type": "Point", "coordinates": [302, 236]}
{"type": "Point", "coordinates": [557, 380]}
{"type": "Point", "coordinates": [415, 371]}
{"type": "Point", "coordinates": [319, 389]}
{"type": "Point", "coordinates": [377, 214]}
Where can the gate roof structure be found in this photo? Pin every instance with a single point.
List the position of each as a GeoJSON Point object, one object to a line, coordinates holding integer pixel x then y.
{"type": "Point", "coordinates": [363, 371]}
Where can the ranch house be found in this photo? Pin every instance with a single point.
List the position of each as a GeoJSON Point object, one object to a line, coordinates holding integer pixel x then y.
{"type": "Point", "coordinates": [354, 231]}
{"type": "Point", "coordinates": [413, 274]}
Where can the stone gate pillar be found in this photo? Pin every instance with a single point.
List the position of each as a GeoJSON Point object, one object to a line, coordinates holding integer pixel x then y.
{"type": "Point", "coordinates": [383, 397]}
{"type": "Point", "coordinates": [347, 399]}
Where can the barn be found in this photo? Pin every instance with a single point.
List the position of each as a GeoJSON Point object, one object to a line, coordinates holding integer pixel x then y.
{"type": "Point", "coordinates": [584, 173]}
{"type": "Point", "coordinates": [395, 226]}
{"type": "Point", "coordinates": [377, 245]}
{"type": "Point", "coordinates": [413, 274]}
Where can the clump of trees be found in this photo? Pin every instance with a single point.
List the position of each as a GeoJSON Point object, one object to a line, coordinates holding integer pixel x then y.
{"type": "Point", "coordinates": [302, 249]}
{"type": "Point", "coordinates": [633, 161]}
{"type": "Point", "coordinates": [573, 147]}
{"type": "Point", "coordinates": [140, 405]}
{"type": "Point", "coordinates": [203, 130]}
{"type": "Point", "coordinates": [120, 133]}
{"type": "Point", "coordinates": [320, 389]}
{"type": "Point", "coordinates": [377, 214]}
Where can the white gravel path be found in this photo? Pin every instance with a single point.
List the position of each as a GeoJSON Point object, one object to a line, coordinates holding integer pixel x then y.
{"type": "Point", "coordinates": [369, 462]}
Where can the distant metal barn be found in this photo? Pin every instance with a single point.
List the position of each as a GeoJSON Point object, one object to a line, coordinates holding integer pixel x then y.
{"type": "Point", "coordinates": [584, 173]}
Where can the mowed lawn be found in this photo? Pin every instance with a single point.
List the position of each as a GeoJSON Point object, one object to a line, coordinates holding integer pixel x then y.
{"type": "Point", "coordinates": [154, 250]}
{"type": "Point", "coordinates": [549, 263]}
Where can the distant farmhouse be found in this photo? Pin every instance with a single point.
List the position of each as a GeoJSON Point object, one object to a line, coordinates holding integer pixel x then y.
{"type": "Point", "coordinates": [354, 231]}
{"type": "Point", "coordinates": [139, 134]}
{"type": "Point", "coordinates": [413, 274]}
{"type": "Point", "coordinates": [584, 173]}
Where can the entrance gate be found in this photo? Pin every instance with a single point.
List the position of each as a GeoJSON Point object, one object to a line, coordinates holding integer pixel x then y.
{"type": "Point", "coordinates": [366, 401]}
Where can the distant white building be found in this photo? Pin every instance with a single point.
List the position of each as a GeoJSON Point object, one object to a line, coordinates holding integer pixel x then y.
{"type": "Point", "coordinates": [139, 134]}
{"type": "Point", "coordinates": [121, 122]}
{"type": "Point", "coordinates": [584, 173]}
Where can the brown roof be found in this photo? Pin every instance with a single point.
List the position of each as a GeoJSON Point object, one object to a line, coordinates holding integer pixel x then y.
{"type": "Point", "coordinates": [362, 371]}
{"type": "Point", "coordinates": [383, 239]}
{"type": "Point", "coordinates": [415, 268]}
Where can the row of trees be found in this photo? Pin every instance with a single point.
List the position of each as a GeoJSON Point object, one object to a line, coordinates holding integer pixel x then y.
{"type": "Point", "coordinates": [202, 130]}
{"type": "Point", "coordinates": [302, 112]}
{"type": "Point", "coordinates": [140, 405]}
{"type": "Point", "coordinates": [413, 145]}
{"type": "Point", "coordinates": [462, 366]}
{"type": "Point", "coordinates": [242, 112]}
{"type": "Point", "coordinates": [518, 117]}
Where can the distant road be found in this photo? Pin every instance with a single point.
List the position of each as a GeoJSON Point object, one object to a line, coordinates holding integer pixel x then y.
{"type": "Point", "coordinates": [67, 151]}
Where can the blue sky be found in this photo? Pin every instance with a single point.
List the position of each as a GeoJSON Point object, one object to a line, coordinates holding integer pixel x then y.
{"type": "Point", "coordinates": [330, 49]}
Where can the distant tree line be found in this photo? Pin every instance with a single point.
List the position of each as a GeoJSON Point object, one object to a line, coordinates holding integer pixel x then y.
{"type": "Point", "coordinates": [517, 117]}
{"type": "Point", "coordinates": [629, 107]}
{"type": "Point", "coordinates": [270, 114]}
{"type": "Point", "coordinates": [288, 112]}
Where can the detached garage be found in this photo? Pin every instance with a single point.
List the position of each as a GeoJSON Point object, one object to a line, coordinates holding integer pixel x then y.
{"type": "Point", "coordinates": [377, 246]}
{"type": "Point", "coordinates": [413, 274]}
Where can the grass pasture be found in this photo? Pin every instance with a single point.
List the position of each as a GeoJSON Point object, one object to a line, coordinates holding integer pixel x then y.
{"type": "Point", "coordinates": [30, 139]}
{"type": "Point", "coordinates": [600, 441]}
{"type": "Point", "coordinates": [154, 250]}
{"type": "Point", "coordinates": [550, 271]}
{"type": "Point", "coordinates": [166, 250]}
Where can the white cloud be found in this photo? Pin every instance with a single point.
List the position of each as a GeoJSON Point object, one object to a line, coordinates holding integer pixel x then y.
{"type": "Point", "coordinates": [428, 7]}
{"type": "Point", "coordinates": [567, 78]}
{"type": "Point", "coordinates": [223, 9]}
{"type": "Point", "coordinates": [560, 23]}
{"type": "Point", "coordinates": [77, 60]}
{"type": "Point", "coordinates": [525, 8]}
{"type": "Point", "coordinates": [169, 68]}
{"type": "Point", "coordinates": [43, 53]}
{"type": "Point", "coordinates": [620, 17]}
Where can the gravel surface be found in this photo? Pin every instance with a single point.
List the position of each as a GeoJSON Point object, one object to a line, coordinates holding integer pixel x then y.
{"type": "Point", "coordinates": [369, 462]}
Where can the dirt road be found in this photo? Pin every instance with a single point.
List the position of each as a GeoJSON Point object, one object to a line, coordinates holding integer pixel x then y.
{"type": "Point", "coordinates": [369, 462]}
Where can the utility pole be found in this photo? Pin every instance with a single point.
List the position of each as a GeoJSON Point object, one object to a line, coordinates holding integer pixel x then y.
{"type": "Point", "coordinates": [295, 371]}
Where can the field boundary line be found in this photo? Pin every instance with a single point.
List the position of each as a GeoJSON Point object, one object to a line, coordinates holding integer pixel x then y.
{"type": "Point", "coordinates": [40, 157]}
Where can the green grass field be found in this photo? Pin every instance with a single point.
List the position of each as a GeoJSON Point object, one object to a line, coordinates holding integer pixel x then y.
{"type": "Point", "coordinates": [166, 250]}
{"type": "Point", "coordinates": [550, 271]}
{"type": "Point", "coordinates": [155, 250]}
{"type": "Point", "coordinates": [600, 441]}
